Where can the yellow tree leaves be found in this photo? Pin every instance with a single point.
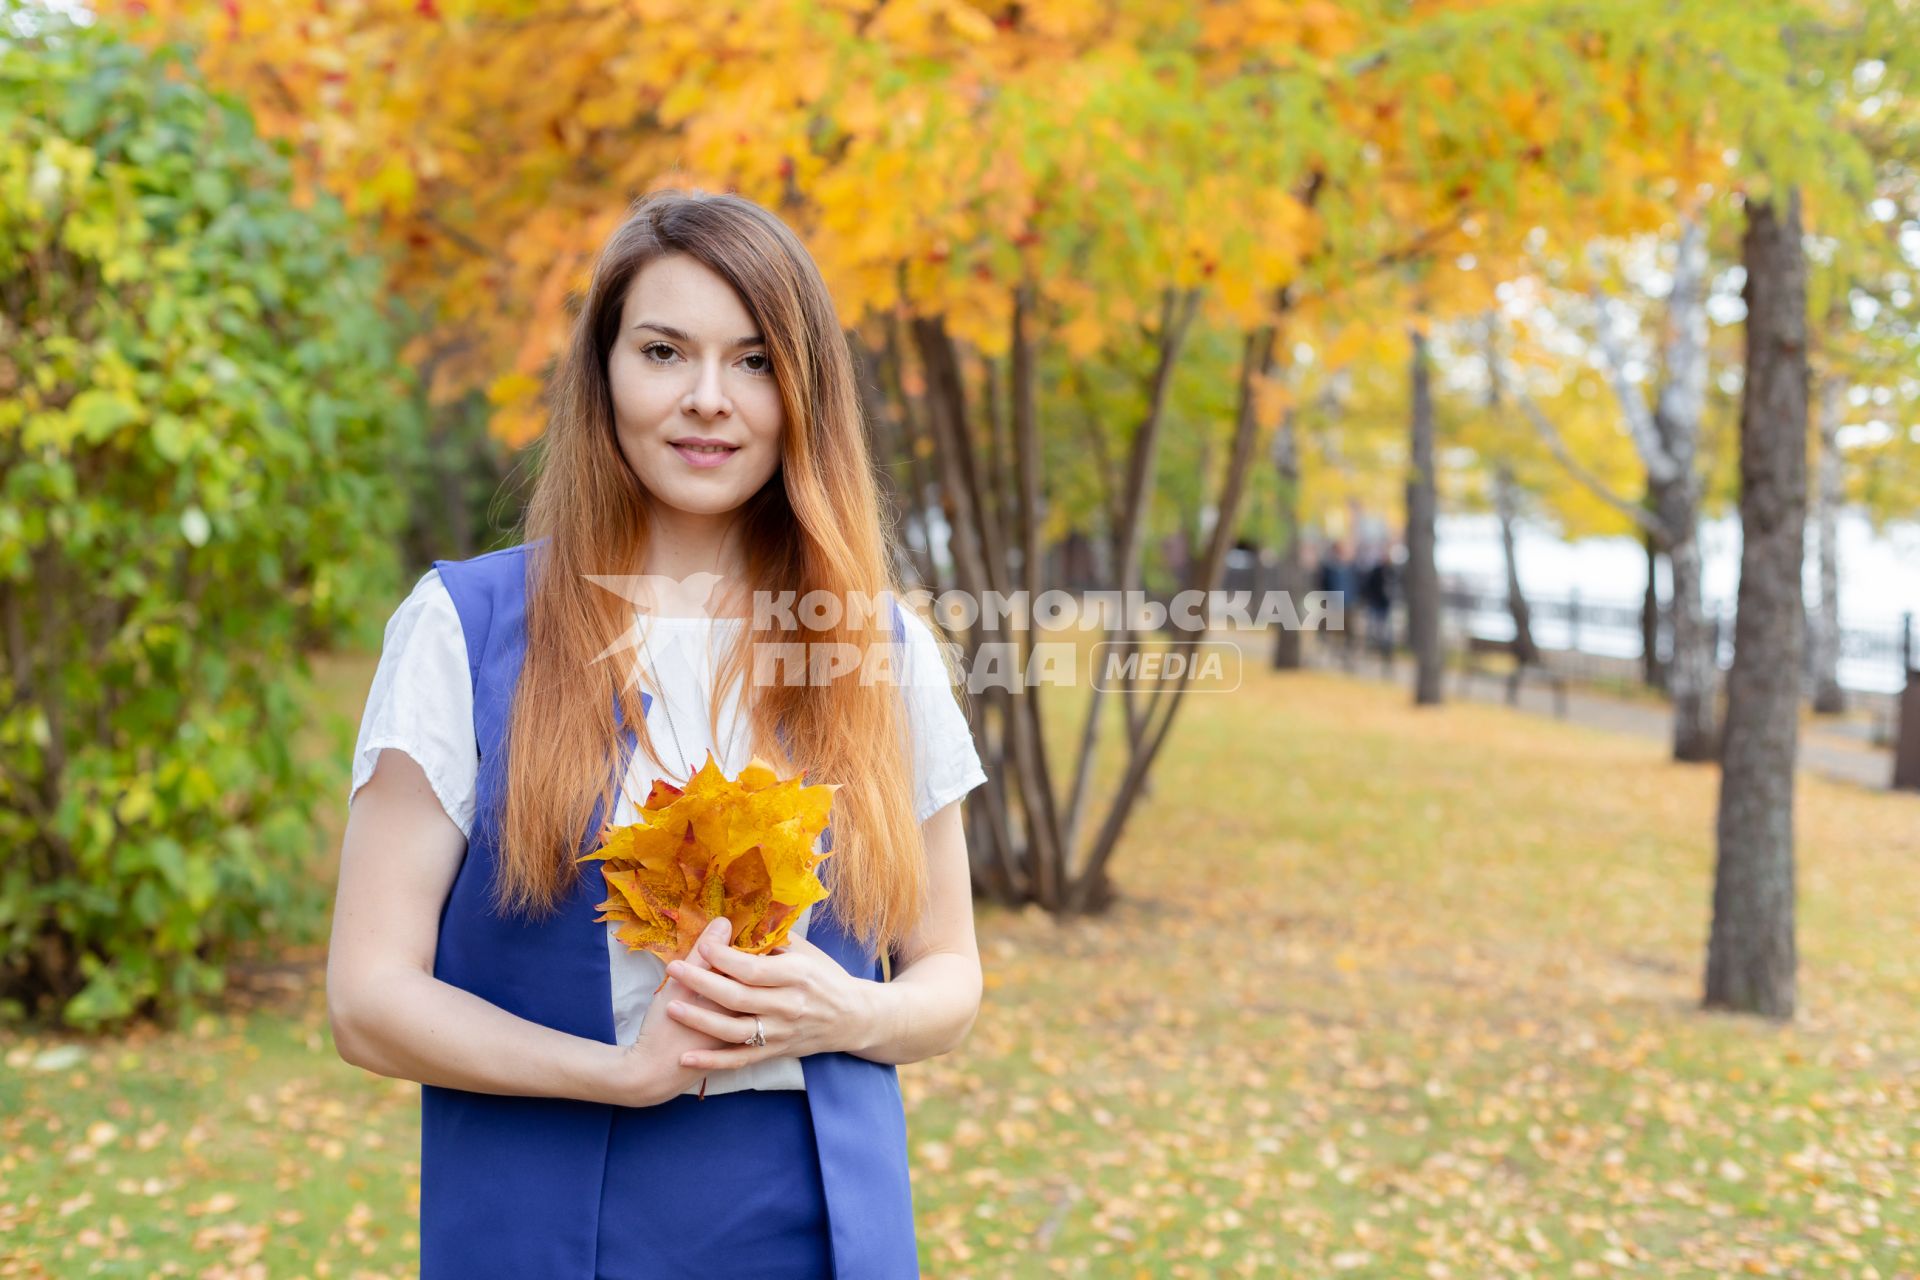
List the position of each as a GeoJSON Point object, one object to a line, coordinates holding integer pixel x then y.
{"type": "Point", "coordinates": [1280, 31]}
{"type": "Point", "coordinates": [933, 153]}
{"type": "Point", "coordinates": [740, 848]}
{"type": "Point", "coordinates": [936, 154]}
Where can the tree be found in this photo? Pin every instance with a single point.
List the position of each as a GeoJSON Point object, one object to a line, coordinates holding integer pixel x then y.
{"type": "Point", "coordinates": [1506, 503]}
{"type": "Point", "coordinates": [200, 409]}
{"type": "Point", "coordinates": [1828, 494]}
{"type": "Point", "coordinates": [1200, 198]}
{"type": "Point", "coordinates": [1423, 580]}
{"type": "Point", "coordinates": [1666, 437]}
{"type": "Point", "coordinates": [1865, 345]}
{"type": "Point", "coordinates": [1750, 951]}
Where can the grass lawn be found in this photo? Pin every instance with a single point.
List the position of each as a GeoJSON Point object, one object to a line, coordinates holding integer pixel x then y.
{"type": "Point", "coordinates": [1390, 993]}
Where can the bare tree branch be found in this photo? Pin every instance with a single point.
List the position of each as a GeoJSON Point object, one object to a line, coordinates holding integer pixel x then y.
{"type": "Point", "coordinates": [1548, 432]}
{"type": "Point", "coordinates": [1683, 392]}
{"type": "Point", "coordinates": [1640, 425]}
{"type": "Point", "coordinates": [1665, 434]}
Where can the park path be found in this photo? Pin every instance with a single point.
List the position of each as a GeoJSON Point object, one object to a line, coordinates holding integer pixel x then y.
{"type": "Point", "coordinates": [1840, 751]}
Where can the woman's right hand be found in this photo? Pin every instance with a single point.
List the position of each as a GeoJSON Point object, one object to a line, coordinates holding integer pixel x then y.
{"type": "Point", "coordinates": [649, 1071]}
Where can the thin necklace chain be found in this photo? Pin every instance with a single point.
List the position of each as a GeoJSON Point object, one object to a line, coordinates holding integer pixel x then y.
{"type": "Point", "coordinates": [646, 643]}
{"type": "Point", "coordinates": [660, 690]}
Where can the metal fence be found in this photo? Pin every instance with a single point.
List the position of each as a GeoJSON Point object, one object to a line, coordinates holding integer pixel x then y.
{"type": "Point", "coordinates": [1593, 636]}
{"type": "Point", "coordinates": [1599, 639]}
{"type": "Point", "coordinates": [1871, 660]}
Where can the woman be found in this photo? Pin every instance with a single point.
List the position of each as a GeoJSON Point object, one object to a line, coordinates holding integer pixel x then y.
{"type": "Point", "coordinates": [705, 430]}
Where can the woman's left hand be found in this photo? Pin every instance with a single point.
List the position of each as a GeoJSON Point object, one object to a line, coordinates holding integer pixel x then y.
{"type": "Point", "coordinates": [806, 1001]}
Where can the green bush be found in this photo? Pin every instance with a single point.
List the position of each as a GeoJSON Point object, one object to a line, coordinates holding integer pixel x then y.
{"type": "Point", "coordinates": [201, 414]}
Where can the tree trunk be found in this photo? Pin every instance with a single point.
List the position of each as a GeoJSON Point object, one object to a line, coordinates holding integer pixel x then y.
{"type": "Point", "coordinates": [1091, 889]}
{"type": "Point", "coordinates": [1652, 670]}
{"type": "Point", "coordinates": [1292, 573]}
{"type": "Point", "coordinates": [1692, 677]}
{"type": "Point", "coordinates": [1667, 439]}
{"type": "Point", "coordinates": [1750, 950]}
{"type": "Point", "coordinates": [1505, 505]}
{"type": "Point", "coordinates": [1023, 414]}
{"type": "Point", "coordinates": [1176, 316]}
{"type": "Point", "coordinates": [1525, 651]}
{"type": "Point", "coordinates": [889, 450]}
{"type": "Point", "coordinates": [978, 554]}
{"type": "Point", "coordinates": [1828, 494]}
{"type": "Point", "coordinates": [917, 481]}
{"type": "Point", "coordinates": [1423, 577]}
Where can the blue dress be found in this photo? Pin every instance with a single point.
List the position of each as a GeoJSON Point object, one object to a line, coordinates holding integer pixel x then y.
{"type": "Point", "coordinates": [785, 1184]}
{"type": "Point", "coordinates": [731, 1208]}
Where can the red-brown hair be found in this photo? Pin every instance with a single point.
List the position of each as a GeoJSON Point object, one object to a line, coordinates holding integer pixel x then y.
{"type": "Point", "coordinates": [816, 525]}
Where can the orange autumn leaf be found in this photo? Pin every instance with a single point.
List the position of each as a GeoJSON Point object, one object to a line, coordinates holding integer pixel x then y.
{"type": "Point", "coordinates": [735, 847]}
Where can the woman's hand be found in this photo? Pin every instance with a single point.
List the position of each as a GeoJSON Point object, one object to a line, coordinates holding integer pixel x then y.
{"type": "Point", "coordinates": [650, 1070]}
{"type": "Point", "coordinates": [806, 1001]}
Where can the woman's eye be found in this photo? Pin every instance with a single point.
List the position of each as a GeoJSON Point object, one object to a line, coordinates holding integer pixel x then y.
{"type": "Point", "coordinates": [763, 369]}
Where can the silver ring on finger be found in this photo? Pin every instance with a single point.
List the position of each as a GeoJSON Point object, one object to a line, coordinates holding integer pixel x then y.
{"type": "Point", "coordinates": [759, 1036]}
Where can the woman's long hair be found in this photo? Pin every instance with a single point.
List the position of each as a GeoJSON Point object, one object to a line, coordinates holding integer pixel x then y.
{"type": "Point", "coordinates": [816, 525]}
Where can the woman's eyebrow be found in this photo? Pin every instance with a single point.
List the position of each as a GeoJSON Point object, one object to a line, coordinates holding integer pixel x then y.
{"type": "Point", "coordinates": [751, 340]}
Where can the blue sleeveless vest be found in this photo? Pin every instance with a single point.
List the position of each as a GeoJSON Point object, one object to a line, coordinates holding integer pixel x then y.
{"type": "Point", "coordinates": [510, 1185]}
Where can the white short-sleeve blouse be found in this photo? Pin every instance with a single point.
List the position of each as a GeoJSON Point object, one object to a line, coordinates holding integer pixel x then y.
{"type": "Point", "coordinates": [421, 703]}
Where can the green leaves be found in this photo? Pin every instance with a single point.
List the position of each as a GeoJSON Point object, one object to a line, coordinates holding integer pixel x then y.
{"type": "Point", "coordinates": [199, 395]}
{"type": "Point", "coordinates": [97, 414]}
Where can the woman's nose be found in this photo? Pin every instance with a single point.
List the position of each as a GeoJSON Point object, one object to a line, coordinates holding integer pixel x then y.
{"type": "Point", "coordinates": [708, 395]}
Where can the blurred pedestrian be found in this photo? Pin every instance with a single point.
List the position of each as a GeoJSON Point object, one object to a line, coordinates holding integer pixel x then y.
{"type": "Point", "coordinates": [1337, 576]}
{"type": "Point", "coordinates": [1378, 585]}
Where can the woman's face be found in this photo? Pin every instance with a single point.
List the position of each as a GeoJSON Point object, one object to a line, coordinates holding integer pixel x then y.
{"type": "Point", "coordinates": [689, 364]}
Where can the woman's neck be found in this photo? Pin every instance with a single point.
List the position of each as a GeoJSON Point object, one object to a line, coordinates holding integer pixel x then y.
{"type": "Point", "coordinates": [702, 557]}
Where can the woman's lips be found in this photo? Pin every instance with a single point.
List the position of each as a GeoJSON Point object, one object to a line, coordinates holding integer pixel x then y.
{"type": "Point", "coordinates": [704, 458]}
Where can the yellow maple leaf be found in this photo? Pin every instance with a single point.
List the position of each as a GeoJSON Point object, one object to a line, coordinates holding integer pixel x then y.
{"type": "Point", "coordinates": [735, 847]}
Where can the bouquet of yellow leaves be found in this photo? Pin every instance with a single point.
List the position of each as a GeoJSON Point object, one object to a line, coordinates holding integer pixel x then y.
{"type": "Point", "coordinates": [735, 847]}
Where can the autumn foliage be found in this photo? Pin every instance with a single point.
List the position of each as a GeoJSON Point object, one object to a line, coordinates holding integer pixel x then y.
{"type": "Point", "coordinates": [740, 848]}
{"type": "Point", "coordinates": [202, 415]}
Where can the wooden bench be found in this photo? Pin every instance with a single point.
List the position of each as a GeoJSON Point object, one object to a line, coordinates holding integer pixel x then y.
{"type": "Point", "coordinates": [1480, 647]}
